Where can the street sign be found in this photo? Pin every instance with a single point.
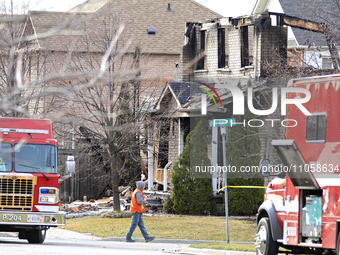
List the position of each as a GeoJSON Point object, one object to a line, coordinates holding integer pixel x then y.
{"type": "Point", "coordinates": [222, 122]}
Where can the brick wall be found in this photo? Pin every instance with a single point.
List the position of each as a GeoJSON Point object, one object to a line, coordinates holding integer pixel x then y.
{"type": "Point", "coordinates": [265, 46]}
{"type": "Point", "coordinates": [160, 65]}
{"type": "Point", "coordinates": [272, 46]}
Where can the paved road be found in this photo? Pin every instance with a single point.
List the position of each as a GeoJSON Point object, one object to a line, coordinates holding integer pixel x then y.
{"type": "Point", "coordinates": [14, 246]}
{"type": "Point", "coordinates": [62, 242]}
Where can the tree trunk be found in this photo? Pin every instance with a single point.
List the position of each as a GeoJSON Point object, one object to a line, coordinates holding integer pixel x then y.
{"type": "Point", "coordinates": [115, 181]}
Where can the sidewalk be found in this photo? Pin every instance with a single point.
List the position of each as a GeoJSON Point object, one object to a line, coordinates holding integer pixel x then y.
{"type": "Point", "coordinates": [59, 234]}
{"type": "Point", "coordinates": [188, 250]}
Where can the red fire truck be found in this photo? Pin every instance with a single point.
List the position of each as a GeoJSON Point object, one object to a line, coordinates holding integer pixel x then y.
{"type": "Point", "coordinates": [301, 209]}
{"type": "Point", "coordinates": [29, 179]}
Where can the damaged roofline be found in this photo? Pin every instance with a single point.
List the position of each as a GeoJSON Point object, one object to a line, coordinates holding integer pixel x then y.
{"type": "Point", "coordinates": [282, 19]}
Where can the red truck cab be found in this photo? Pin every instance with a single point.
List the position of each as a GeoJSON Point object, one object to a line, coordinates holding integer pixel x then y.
{"type": "Point", "coordinates": [29, 179]}
{"type": "Point", "coordinates": [301, 211]}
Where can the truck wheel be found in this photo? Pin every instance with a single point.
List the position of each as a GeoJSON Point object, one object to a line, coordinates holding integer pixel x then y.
{"type": "Point", "coordinates": [36, 236]}
{"type": "Point", "coordinates": [264, 243]}
{"type": "Point", "coordinates": [338, 245]}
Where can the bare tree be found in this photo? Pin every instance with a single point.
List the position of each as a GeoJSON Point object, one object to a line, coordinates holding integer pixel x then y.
{"type": "Point", "coordinates": [107, 102]}
{"type": "Point", "coordinates": [92, 84]}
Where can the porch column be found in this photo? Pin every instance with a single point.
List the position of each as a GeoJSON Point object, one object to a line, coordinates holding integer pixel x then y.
{"type": "Point", "coordinates": [180, 143]}
{"type": "Point", "coordinates": [150, 158]}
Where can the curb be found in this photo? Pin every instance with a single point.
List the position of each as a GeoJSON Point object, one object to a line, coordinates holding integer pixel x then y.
{"type": "Point", "coordinates": [215, 252]}
{"type": "Point", "coordinates": [157, 240]}
{"type": "Point", "coordinates": [179, 241]}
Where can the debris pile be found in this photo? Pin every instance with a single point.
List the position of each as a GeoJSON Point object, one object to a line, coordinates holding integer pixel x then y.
{"type": "Point", "coordinates": [78, 208]}
{"type": "Point", "coordinates": [93, 207]}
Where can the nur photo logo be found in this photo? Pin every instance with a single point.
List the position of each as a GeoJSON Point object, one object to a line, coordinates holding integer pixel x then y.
{"type": "Point", "coordinates": [238, 100]}
{"type": "Point", "coordinates": [204, 98]}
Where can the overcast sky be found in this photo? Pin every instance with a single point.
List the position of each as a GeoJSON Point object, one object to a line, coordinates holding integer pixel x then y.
{"type": "Point", "coordinates": [227, 8]}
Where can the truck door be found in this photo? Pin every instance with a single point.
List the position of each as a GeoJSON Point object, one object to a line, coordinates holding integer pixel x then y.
{"type": "Point", "coordinates": [303, 198]}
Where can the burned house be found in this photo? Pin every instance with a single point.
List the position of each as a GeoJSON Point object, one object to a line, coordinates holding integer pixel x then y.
{"type": "Point", "coordinates": [231, 50]}
{"type": "Point", "coordinates": [218, 52]}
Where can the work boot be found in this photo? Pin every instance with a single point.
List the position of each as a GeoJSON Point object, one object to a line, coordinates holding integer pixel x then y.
{"type": "Point", "coordinates": [129, 240]}
{"type": "Point", "coordinates": [149, 239]}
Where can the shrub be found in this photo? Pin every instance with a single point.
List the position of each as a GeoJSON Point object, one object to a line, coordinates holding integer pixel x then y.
{"type": "Point", "coordinates": [193, 195]}
{"type": "Point", "coordinates": [168, 206]}
{"type": "Point", "coordinates": [243, 149]}
{"type": "Point", "coordinates": [246, 201]}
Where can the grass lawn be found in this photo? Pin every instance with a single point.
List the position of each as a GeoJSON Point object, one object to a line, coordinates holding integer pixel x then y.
{"type": "Point", "coordinates": [196, 228]}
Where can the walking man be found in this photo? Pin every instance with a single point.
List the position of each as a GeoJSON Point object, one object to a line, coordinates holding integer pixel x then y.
{"type": "Point", "coordinates": [137, 209]}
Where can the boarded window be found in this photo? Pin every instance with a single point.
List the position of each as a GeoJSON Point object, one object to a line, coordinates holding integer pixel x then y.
{"type": "Point", "coordinates": [316, 128]}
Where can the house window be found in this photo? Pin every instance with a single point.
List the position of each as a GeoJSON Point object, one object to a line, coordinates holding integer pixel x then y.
{"type": "Point", "coordinates": [222, 61]}
{"type": "Point", "coordinates": [316, 126]}
{"type": "Point", "coordinates": [163, 149]}
{"type": "Point", "coordinates": [244, 47]}
{"type": "Point", "coordinates": [36, 67]}
{"type": "Point", "coordinates": [41, 67]}
{"type": "Point", "coordinates": [327, 63]}
{"type": "Point", "coordinates": [200, 63]}
{"type": "Point", "coordinates": [33, 68]}
{"type": "Point", "coordinates": [68, 138]}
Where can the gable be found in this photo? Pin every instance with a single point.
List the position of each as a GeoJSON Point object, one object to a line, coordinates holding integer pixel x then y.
{"type": "Point", "coordinates": [167, 101]}
{"type": "Point", "coordinates": [274, 6]}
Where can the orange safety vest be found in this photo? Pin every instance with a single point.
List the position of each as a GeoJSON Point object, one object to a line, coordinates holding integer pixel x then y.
{"type": "Point", "coordinates": [135, 207]}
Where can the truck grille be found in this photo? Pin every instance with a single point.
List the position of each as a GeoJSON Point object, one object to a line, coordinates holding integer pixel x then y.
{"type": "Point", "coordinates": [16, 193]}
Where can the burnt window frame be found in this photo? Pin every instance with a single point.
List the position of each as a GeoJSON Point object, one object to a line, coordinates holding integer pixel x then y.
{"type": "Point", "coordinates": [244, 46]}
{"type": "Point", "coordinates": [319, 134]}
{"type": "Point", "coordinates": [200, 62]}
{"type": "Point", "coordinates": [221, 47]}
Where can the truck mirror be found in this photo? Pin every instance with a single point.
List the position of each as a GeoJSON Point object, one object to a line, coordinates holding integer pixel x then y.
{"type": "Point", "coordinates": [265, 167]}
{"type": "Point", "coordinates": [70, 165]}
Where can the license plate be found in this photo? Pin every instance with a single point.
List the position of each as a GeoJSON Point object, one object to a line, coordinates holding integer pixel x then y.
{"type": "Point", "coordinates": [33, 218]}
{"type": "Point", "coordinates": [10, 218]}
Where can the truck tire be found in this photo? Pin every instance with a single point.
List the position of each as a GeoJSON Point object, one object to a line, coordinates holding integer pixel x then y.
{"type": "Point", "coordinates": [338, 245]}
{"type": "Point", "coordinates": [36, 236]}
{"type": "Point", "coordinates": [264, 243]}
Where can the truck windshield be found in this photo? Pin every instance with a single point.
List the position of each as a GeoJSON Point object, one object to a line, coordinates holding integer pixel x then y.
{"type": "Point", "coordinates": [35, 158]}
{"type": "Point", "coordinates": [5, 157]}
